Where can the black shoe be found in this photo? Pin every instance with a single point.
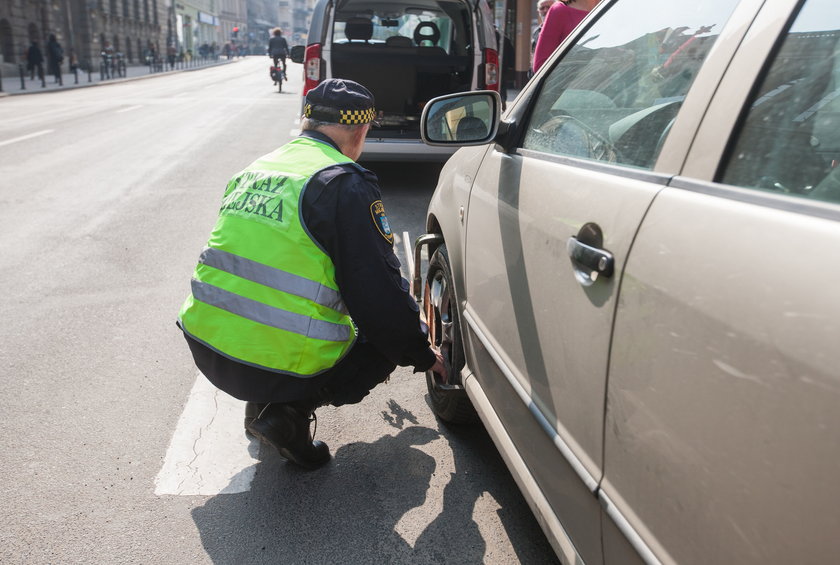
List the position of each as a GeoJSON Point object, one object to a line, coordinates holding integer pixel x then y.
{"type": "Point", "coordinates": [252, 410]}
{"type": "Point", "coordinates": [286, 428]}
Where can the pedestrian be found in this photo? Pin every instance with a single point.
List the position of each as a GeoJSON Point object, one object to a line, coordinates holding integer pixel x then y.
{"type": "Point", "coordinates": [73, 62]}
{"type": "Point", "coordinates": [35, 61]}
{"type": "Point", "coordinates": [542, 9]}
{"type": "Point", "coordinates": [560, 20]}
{"type": "Point", "coordinates": [278, 48]}
{"type": "Point", "coordinates": [106, 66]}
{"type": "Point", "coordinates": [55, 56]}
{"type": "Point", "coordinates": [152, 56]}
{"type": "Point", "coordinates": [297, 301]}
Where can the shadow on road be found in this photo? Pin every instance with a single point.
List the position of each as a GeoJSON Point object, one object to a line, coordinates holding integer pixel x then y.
{"type": "Point", "coordinates": [348, 512]}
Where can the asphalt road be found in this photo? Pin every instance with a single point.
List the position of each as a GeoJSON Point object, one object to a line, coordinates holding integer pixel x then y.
{"type": "Point", "coordinates": [107, 195]}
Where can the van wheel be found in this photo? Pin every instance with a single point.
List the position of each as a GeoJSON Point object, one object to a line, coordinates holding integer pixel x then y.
{"type": "Point", "coordinates": [449, 401]}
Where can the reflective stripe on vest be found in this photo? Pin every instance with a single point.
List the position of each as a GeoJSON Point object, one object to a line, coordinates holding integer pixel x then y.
{"type": "Point", "coordinates": [273, 278]}
{"type": "Point", "coordinates": [268, 315]}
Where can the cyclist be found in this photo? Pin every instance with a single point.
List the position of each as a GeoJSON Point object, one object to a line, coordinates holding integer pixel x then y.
{"type": "Point", "coordinates": [278, 48]}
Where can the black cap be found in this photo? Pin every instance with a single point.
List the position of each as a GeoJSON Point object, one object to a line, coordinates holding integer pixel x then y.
{"type": "Point", "coordinates": [340, 101]}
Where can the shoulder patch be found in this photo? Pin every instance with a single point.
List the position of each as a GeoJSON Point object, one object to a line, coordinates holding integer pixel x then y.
{"type": "Point", "coordinates": [380, 220]}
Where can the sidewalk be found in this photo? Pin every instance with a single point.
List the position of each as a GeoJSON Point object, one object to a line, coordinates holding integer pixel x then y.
{"type": "Point", "coordinates": [11, 85]}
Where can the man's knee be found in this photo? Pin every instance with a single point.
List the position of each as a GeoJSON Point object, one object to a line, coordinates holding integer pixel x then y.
{"type": "Point", "coordinates": [366, 369]}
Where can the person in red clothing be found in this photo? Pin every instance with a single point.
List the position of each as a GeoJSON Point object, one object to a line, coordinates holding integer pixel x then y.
{"type": "Point", "coordinates": [561, 19]}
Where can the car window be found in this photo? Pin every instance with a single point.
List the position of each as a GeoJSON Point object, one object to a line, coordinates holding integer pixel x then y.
{"type": "Point", "coordinates": [614, 95]}
{"type": "Point", "coordinates": [790, 138]}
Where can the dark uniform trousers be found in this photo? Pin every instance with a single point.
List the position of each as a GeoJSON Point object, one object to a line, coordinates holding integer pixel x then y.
{"type": "Point", "coordinates": [348, 382]}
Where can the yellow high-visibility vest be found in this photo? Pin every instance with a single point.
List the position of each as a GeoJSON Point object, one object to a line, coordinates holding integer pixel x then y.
{"type": "Point", "coordinates": [264, 293]}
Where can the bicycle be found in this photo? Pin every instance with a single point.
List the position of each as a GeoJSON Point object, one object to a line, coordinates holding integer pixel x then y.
{"type": "Point", "coordinates": [278, 73]}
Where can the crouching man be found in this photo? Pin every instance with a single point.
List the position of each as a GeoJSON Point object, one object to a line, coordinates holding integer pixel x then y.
{"type": "Point", "coordinates": [297, 300]}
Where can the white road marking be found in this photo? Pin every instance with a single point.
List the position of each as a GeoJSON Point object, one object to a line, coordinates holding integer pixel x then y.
{"type": "Point", "coordinates": [294, 132]}
{"type": "Point", "coordinates": [209, 453]}
{"type": "Point", "coordinates": [25, 137]}
{"type": "Point", "coordinates": [409, 256]}
{"type": "Point", "coordinates": [129, 109]}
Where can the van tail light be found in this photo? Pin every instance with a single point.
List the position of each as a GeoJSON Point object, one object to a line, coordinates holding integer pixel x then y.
{"type": "Point", "coordinates": [491, 69]}
{"type": "Point", "coordinates": [311, 67]}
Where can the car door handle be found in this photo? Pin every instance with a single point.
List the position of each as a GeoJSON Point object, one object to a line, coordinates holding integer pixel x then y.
{"type": "Point", "coordinates": [596, 262]}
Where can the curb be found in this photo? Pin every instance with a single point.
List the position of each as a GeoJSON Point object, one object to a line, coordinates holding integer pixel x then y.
{"type": "Point", "coordinates": [115, 81]}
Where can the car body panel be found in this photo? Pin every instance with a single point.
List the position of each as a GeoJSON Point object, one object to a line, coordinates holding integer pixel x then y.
{"type": "Point", "coordinates": [718, 378]}
{"type": "Point", "coordinates": [744, 446]}
{"type": "Point", "coordinates": [683, 410]}
{"type": "Point", "coordinates": [448, 208]}
{"type": "Point", "coordinates": [515, 243]}
{"type": "Point", "coordinates": [538, 497]}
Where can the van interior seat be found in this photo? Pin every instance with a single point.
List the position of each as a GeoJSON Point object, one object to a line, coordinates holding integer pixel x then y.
{"type": "Point", "coordinates": [432, 51]}
{"type": "Point", "coordinates": [426, 31]}
{"type": "Point", "coordinates": [358, 29]}
{"type": "Point", "coordinates": [412, 75]}
{"type": "Point", "coordinates": [399, 41]}
{"type": "Point", "coordinates": [470, 128]}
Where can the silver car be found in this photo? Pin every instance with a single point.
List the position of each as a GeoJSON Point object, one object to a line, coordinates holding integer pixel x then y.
{"type": "Point", "coordinates": [634, 275]}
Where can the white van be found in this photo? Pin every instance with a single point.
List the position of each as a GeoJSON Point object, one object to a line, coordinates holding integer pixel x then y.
{"type": "Point", "coordinates": [406, 53]}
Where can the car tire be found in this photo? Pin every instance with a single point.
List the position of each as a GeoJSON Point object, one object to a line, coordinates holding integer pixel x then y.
{"type": "Point", "coordinates": [449, 401]}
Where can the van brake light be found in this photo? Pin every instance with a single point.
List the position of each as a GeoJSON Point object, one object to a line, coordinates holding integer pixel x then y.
{"type": "Point", "coordinates": [491, 69]}
{"type": "Point", "coordinates": [312, 67]}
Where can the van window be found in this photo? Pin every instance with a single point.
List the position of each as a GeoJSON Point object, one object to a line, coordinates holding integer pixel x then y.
{"type": "Point", "coordinates": [445, 26]}
{"type": "Point", "coordinates": [614, 95]}
{"type": "Point", "coordinates": [790, 139]}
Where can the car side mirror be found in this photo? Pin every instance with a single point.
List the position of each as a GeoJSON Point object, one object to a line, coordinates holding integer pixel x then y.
{"type": "Point", "coordinates": [297, 53]}
{"type": "Point", "coordinates": [461, 119]}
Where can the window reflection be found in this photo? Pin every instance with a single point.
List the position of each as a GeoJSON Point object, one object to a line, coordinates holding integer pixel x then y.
{"type": "Point", "coordinates": [615, 94]}
{"type": "Point", "coordinates": [460, 118]}
{"type": "Point", "coordinates": [790, 141]}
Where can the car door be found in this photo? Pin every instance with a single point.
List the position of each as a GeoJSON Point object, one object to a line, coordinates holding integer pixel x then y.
{"type": "Point", "coordinates": [721, 434]}
{"type": "Point", "coordinates": [550, 222]}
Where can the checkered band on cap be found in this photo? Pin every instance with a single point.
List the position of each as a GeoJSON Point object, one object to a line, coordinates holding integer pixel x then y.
{"type": "Point", "coordinates": [354, 117]}
{"type": "Point", "coordinates": [349, 117]}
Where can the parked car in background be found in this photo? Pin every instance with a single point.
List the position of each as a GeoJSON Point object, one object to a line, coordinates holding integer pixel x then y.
{"type": "Point", "coordinates": [406, 52]}
{"type": "Point", "coordinates": [633, 274]}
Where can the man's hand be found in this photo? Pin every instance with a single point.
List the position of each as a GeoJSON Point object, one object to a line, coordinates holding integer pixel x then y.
{"type": "Point", "coordinates": [440, 366]}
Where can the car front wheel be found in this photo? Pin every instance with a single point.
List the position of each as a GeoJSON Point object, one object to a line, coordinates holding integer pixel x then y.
{"type": "Point", "coordinates": [448, 399]}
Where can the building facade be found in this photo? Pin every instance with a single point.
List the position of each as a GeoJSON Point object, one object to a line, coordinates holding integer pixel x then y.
{"type": "Point", "coordinates": [263, 16]}
{"type": "Point", "coordinates": [198, 25]}
{"type": "Point", "coordinates": [84, 28]}
{"type": "Point", "coordinates": [233, 20]}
